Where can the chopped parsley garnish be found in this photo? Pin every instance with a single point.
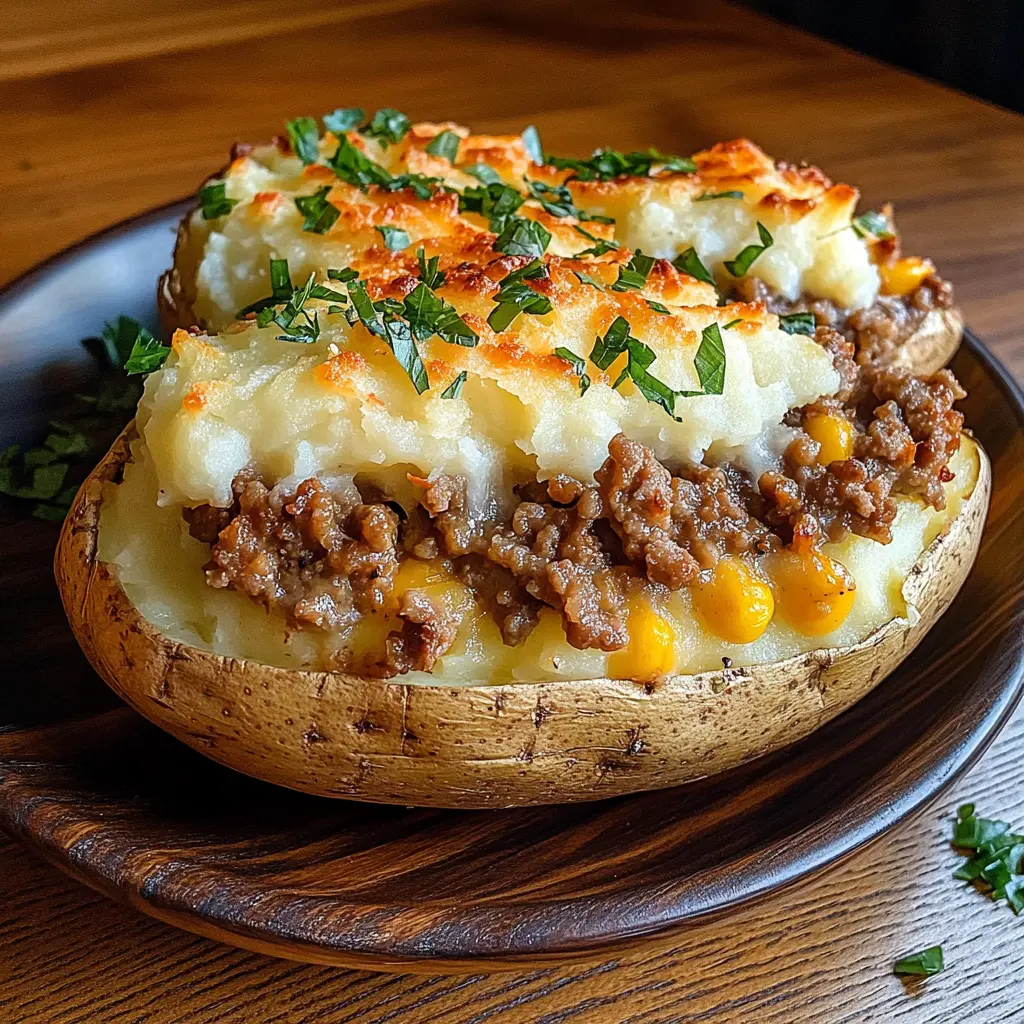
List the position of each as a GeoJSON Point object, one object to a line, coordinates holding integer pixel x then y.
{"type": "Point", "coordinates": [600, 246]}
{"type": "Point", "coordinates": [319, 213]}
{"type": "Point", "coordinates": [639, 358]}
{"type": "Point", "coordinates": [395, 239]}
{"type": "Point", "coordinates": [455, 388]}
{"type": "Point", "coordinates": [282, 290]}
{"type": "Point", "coordinates": [871, 224]}
{"type": "Point", "coordinates": [587, 279]}
{"type": "Point", "coordinates": [428, 314]}
{"type": "Point", "coordinates": [429, 274]}
{"type": "Point", "coordinates": [355, 167]}
{"type": "Point", "coordinates": [690, 263]}
{"type": "Point", "coordinates": [731, 194]}
{"type": "Point", "coordinates": [344, 119]}
{"type": "Point", "coordinates": [387, 126]}
{"type": "Point", "coordinates": [515, 297]}
{"type": "Point", "coordinates": [997, 861]}
{"type": "Point", "coordinates": [293, 318]}
{"type": "Point", "coordinates": [927, 962]}
{"type": "Point", "coordinates": [304, 135]}
{"type": "Point", "coordinates": [214, 201]}
{"type": "Point", "coordinates": [445, 145]}
{"type": "Point", "coordinates": [522, 237]}
{"type": "Point", "coordinates": [710, 362]}
{"type": "Point", "coordinates": [606, 164]}
{"type": "Point", "coordinates": [47, 475]}
{"type": "Point", "coordinates": [422, 185]}
{"type": "Point", "coordinates": [497, 202]}
{"type": "Point", "coordinates": [579, 366]}
{"type": "Point", "coordinates": [531, 140]}
{"type": "Point", "coordinates": [658, 307]}
{"type": "Point", "coordinates": [482, 172]}
{"type": "Point", "coordinates": [633, 276]}
{"type": "Point", "coordinates": [558, 201]}
{"type": "Point", "coordinates": [396, 332]}
{"type": "Point", "coordinates": [745, 259]}
{"type": "Point", "coordinates": [798, 323]}
{"type": "Point", "coordinates": [732, 323]}
{"type": "Point", "coordinates": [147, 353]}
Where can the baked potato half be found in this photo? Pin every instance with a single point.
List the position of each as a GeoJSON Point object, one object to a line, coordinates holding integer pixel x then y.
{"type": "Point", "coordinates": [477, 477]}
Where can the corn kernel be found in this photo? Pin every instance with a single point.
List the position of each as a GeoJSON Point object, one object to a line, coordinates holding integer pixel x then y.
{"type": "Point", "coordinates": [902, 276]}
{"type": "Point", "coordinates": [651, 651]}
{"type": "Point", "coordinates": [814, 593]}
{"type": "Point", "coordinates": [733, 604]}
{"type": "Point", "coordinates": [833, 432]}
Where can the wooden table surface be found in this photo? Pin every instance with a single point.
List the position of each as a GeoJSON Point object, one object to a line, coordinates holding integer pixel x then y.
{"type": "Point", "coordinates": [127, 106]}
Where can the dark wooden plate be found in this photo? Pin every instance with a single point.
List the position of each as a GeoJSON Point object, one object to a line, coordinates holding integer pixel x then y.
{"type": "Point", "coordinates": [107, 797]}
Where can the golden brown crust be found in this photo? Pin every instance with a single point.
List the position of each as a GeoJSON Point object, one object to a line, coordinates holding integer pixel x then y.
{"type": "Point", "coordinates": [338, 735]}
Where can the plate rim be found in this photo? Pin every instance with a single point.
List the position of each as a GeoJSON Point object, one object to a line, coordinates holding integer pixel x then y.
{"type": "Point", "coordinates": [469, 945]}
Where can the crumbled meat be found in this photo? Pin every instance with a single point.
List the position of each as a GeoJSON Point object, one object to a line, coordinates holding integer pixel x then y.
{"type": "Point", "coordinates": [321, 559]}
{"type": "Point", "coordinates": [507, 601]}
{"type": "Point", "coordinates": [428, 630]}
{"type": "Point", "coordinates": [876, 332]}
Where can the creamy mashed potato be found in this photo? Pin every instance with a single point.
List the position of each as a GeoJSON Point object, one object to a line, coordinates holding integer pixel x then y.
{"type": "Point", "coordinates": [223, 262]}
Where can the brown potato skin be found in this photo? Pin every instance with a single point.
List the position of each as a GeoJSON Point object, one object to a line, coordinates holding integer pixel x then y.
{"type": "Point", "coordinates": [339, 735]}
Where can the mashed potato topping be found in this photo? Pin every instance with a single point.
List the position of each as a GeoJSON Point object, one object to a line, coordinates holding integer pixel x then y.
{"type": "Point", "coordinates": [223, 261]}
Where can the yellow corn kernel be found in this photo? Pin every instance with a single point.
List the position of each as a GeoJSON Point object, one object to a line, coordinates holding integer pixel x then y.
{"type": "Point", "coordinates": [733, 604]}
{"type": "Point", "coordinates": [902, 276]}
{"type": "Point", "coordinates": [833, 432]}
{"type": "Point", "coordinates": [651, 651]}
{"type": "Point", "coordinates": [814, 593]}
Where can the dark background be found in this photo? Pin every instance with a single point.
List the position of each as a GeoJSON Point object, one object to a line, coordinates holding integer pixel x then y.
{"type": "Point", "coordinates": [973, 45]}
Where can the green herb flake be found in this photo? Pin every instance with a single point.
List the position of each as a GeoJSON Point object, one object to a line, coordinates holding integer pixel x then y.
{"type": "Point", "coordinates": [927, 962]}
{"type": "Point", "coordinates": [353, 166]}
{"type": "Point", "coordinates": [600, 246]}
{"type": "Point", "coordinates": [710, 361]}
{"type": "Point", "coordinates": [997, 862]}
{"type": "Point", "coordinates": [531, 140]}
{"type": "Point", "coordinates": [798, 323]}
{"type": "Point", "coordinates": [395, 239]}
{"type": "Point", "coordinates": [304, 135]}
{"type": "Point", "coordinates": [344, 276]}
{"type": "Point", "coordinates": [732, 323]}
{"type": "Point", "coordinates": [578, 364]}
{"type": "Point", "coordinates": [872, 224]}
{"type": "Point", "coordinates": [745, 259]}
{"type": "Point", "coordinates": [523, 238]}
{"type": "Point", "coordinates": [319, 213]}
{"type": "Point", "coordinates": [587, 279]}
{"type": "Point", "coordinates": [445, 145]}
{"type": "Point", "coordinates": [214, 202]}
{"type": "Point", "coordinates": [429, 314]}
{"type": "Point", "coordinates": [147, 353]}
{"type": "Point", "coordinates": [429, 274]}
{"type": "Point", "coordinates": [658, 307]}
{"type": "Point", "coordinates": [396, 332]}
{"type": "Point", "coordinates": [515, 297]}
{"type": "Point", "coordinates": [607, 164]}
{"type": "Point", "coordinates": [497, 202]}
{"type": "Point", "coordinates": [483, 173]}
{"type": "Point", "coordinates": [454, 390]}
{"type": "Point", "coordinates": [388, 126]}
{"type": "Point", "coordinates": [690, 263]}
{"type": "Point", "coordinates": [706, 196]}
{"type": "Point", "coordinates": [344, 119]}
{"type": "Point", "coordinates": [613, 344]}
{"type": "Point", "coordinates": [633, 276]}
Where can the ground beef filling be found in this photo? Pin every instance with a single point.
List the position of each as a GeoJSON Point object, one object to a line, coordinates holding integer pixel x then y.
{"type": "Point", "coordinates": [328, 556]}
{"type": "Point", "coordinates": [876, 333]}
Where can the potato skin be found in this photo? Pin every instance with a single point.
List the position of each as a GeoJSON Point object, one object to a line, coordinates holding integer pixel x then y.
{"type": "Point", "coordinates": [338, 735]}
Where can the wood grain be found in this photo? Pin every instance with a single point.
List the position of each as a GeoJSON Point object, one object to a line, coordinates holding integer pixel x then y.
{"type": "Point", "coordinates": [91, 146]}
